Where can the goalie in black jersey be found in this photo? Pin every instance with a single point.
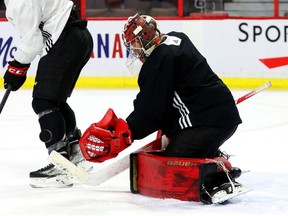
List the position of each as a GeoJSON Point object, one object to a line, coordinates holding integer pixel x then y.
{"type": "Point", "coordinates": [181, 96]}
{"type": "Point", "coordinates": [53, 30]}
{"type": "Point", "coordinates": [179, 92]}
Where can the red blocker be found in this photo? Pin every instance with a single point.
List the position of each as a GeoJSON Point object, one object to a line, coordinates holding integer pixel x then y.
{"type": "Point", "coordinates": [170, 177]}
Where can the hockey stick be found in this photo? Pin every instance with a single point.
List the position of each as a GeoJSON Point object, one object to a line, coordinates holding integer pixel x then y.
{"type": "Point", "coordinates": [5, 97]}
{"type": "Point", "coordinates": [106, 173]}
{"type": "Point", "coordinates": [254, 92]}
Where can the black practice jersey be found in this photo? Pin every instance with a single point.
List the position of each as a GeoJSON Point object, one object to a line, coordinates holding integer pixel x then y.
{"type": "Point", "coordinates": [179, 90]}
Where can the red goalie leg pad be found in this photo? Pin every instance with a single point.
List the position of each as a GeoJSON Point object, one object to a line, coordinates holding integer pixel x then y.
{"type": "Point", "coordinates": [169, 177]}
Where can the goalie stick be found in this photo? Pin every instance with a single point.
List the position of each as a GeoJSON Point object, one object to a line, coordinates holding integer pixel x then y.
{"type": "Point", "coordinates": [254, 92]}
{"type": "Point", "coordinates": [5, 97]}
{"type": "Point", "coordinates": [106, 173]}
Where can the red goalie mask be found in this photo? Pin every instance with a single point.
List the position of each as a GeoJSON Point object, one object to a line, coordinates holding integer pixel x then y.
{"type": "Point", "coordinates": [140, 36]}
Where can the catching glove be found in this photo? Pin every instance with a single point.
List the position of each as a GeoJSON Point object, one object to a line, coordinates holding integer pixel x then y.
{"type": "Point", "coordinates": [15, 75]}
{"type": "Point", "coordinates": [106, 139]}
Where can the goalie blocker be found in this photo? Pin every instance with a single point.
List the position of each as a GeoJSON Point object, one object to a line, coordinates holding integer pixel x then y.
{"type": "Point", "coordinates": [186, 179]}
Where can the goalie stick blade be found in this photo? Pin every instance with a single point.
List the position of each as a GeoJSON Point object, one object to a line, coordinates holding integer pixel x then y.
{"type": "Point", "coordinates": [106, 173]}
{"type": "Point", "coordinates": [68, 167]}
{"type": "Point", "coordinates": [92, 179]}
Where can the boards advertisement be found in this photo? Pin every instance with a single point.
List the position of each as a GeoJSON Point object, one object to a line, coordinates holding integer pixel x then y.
{"type": "Point", "coordinates": [236, 49]}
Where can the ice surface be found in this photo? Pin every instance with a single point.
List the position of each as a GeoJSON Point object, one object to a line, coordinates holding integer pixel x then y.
{"type": "Point", "coordinates": [259, 145]}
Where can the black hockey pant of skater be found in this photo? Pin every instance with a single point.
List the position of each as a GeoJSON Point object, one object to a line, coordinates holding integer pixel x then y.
{"type": "Point", "coordinates": [198, 142]}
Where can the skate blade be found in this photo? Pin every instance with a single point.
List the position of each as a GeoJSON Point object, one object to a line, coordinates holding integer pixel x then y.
{"type": "Point", "coordinates": [54, 182]}
{"type": "Point", "coordinates": [224, 196]}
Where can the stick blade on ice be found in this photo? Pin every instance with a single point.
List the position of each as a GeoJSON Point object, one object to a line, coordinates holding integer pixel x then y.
{"type": "Point", "coordinates": [106, 173]}
{"type": "Point", "coordinates": [93, 179]}
{"type": "Point", "coordinates": [68, 167]}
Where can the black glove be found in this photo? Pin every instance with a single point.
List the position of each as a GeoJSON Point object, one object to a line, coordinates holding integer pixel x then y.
{"type": "Point", "coordinates": [15, 75]}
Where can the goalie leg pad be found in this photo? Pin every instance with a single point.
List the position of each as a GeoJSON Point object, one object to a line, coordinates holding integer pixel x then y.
{"type": "Point", "coordinates": [170, 177]}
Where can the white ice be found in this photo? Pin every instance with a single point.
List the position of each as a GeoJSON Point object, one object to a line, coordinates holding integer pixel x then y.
{"type": "Point", "coordinates": [259, 145]}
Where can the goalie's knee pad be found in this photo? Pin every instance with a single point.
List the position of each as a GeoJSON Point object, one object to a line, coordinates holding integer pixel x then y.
{"type": "Point", "coordinates": [171, 177]}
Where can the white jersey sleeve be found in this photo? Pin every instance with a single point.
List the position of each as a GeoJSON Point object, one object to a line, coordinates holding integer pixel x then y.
{"type": "Point", "coordinates": [39, 24]}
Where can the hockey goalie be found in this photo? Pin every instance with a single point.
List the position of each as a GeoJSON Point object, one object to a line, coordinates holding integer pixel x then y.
{"type": "Point", "coordinates": [152, 173]}
{"type": "Point", "coordinates": [181, 96]}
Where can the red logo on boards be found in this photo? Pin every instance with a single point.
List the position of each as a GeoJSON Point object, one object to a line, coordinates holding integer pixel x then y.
{"type": "Point", "coordinates": [275, 62]}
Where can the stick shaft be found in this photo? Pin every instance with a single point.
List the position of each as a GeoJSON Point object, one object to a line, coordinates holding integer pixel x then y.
{"type": "Point", "coordinates": [5, 97]}
{"type": "Point", "coordinates": [254, 92]}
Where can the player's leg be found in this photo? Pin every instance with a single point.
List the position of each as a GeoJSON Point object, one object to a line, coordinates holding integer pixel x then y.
{"type": "Point", "coordinates": [204, 142]}
{"type": "Point", "coordinates": [73, 135]}
{"type": "Point", "coordinates": [52, 133]}
{"type": "Point", "coordinates": [56, 76]}
{"type": "Point", "coordinates": [83, 43]}
{"type": "Point", "coordinates": [198, 142]}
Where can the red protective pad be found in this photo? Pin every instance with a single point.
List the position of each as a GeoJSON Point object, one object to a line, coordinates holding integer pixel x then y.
{"type": "Point", "coordinates": [168, 177]}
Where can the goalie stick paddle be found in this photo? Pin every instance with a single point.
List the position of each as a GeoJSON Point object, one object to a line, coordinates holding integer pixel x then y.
{"type": "Point", "coordinates": [5, 97]}
{"type": "Point", "coordinates": [106, 173]}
